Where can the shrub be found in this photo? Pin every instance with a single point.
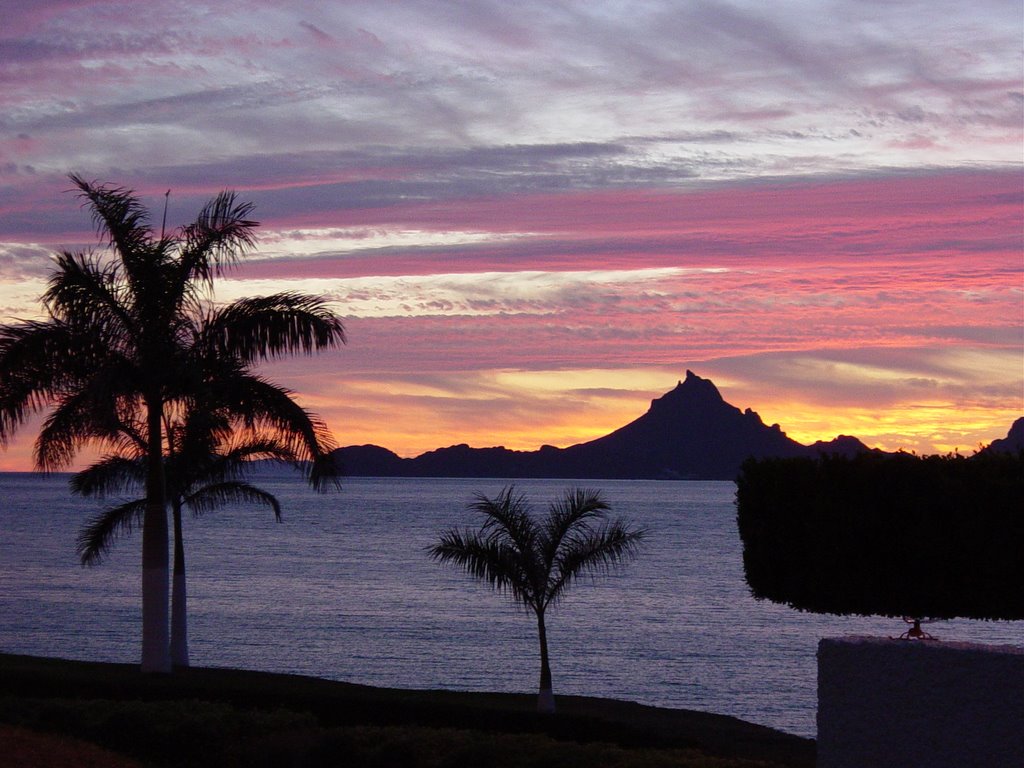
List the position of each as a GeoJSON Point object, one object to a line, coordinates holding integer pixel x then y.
{"type": "Point", "coordinates": [884, 534]}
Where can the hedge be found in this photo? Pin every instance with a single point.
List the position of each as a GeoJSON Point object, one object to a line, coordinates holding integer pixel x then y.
{"type": "Point", "coordinates": [886, 534]}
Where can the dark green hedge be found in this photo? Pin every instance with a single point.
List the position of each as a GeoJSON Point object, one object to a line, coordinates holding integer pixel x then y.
{"type": "Point", "coordinates": [888, 535]}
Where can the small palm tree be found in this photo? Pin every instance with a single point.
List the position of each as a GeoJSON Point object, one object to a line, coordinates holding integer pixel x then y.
{"type": "Point", "coordinates": [536, 561]}
{"type": "Point", "coordinates": [200, 475]}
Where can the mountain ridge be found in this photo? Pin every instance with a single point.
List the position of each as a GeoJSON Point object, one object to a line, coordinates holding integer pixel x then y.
{"type": "Point", "coordinates": [1013, 442]}
{"type": "Point", "coordinates": [689, 433]}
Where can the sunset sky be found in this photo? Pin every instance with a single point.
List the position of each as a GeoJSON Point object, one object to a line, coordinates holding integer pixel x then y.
{"type": "Point", "coordinates": [536, 216]}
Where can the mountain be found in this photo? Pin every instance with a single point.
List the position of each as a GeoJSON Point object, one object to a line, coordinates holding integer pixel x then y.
{"type": "Point", "coordinates": [689, 433]}
{"type": "Point", "coordinates": [1013, 442]}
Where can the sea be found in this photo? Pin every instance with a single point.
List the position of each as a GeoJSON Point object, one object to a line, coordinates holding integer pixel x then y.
{"type": "Point", "coordinates": [343, 588]}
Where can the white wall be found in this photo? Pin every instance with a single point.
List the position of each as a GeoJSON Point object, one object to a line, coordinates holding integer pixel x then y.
{"type": "Point", "coordinates": [905, 704]}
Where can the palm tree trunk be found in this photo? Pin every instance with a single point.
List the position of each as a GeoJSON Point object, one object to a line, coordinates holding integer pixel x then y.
{"type": "Point", "coordinates": [546, 696]}
{"type": "Point", "coordinates": [156, 655]}
{"type": "Point", "coordinates": [179, 614]}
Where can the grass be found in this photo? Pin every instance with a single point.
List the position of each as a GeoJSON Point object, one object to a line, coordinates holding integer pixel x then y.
{"type": "Point", "coordinates": [223, 717]}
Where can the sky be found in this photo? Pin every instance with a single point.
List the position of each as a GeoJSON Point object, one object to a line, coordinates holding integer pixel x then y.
{"type": "Point", "coordinates": [535, 217]}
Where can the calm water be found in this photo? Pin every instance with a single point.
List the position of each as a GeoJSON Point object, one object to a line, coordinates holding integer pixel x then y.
{"type": "Point", "coordinates": [342, 589]}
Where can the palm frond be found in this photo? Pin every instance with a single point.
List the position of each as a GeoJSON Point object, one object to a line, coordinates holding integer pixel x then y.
{"type": "Point", "coordinates": [262, 405]}
{"type": "Point", "coordinates": [119, 216]}
{"type": "Point", "coordinates": [321, 471]}
{"type": "Point", "coordinates": [324, 473]}
{"type": "Point", "coordinates": [225, 385]}
{"type": "Point", "coordinates": [41, 359]}
{"type": "Point", "coordinates": [258, 446]}
{"type": "Point", "coordinates": [493, 562]}
{"type": "Point", "coordinates": [158, 296]}
{"type": "Point", "coordinates": [507, 515]}
{"type": "Point", "coordinates": [507, 520]}
{"type": "Point", "coordinates": [74, 422]}
{"type": "Point", "coordinates": [89, 297]}
{"type": "Point", "coordinates": [30, 376]}
{"type": "Point", "coordinates": [109, 476]}
{"type": "Point", "coordinates": [217, 495]}
{"type": "Point", "coordinates": [265, 327]}
{"type": "Point", "coordinates": [89, 413]}
{"type": "Point", "coordinates": [130, 439]}
{"type": "Point", "coordinates": [198, 429]}
{"type": "Point", "coordinates": [220, 234]}
{"type": "Point", "coordinates": [99, 533]}
{"type": "Point", "coordinates": [569, 519]}
{"type": "Point", "coordinates": [233, 460]}
{"type": "Point", "coordinates": [597, 552]}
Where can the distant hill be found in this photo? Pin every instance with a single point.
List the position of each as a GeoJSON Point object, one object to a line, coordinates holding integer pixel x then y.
{"type": "Point", "coordinates": [689, 433]}
{"type": "Point", "coordinates": [1013, 442]}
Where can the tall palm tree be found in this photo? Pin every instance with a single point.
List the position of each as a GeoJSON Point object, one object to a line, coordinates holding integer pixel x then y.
{"type": "Point", "coordinates": [118, 345]}
{"type": "Point", "coordinates": [536, 561]}
{"type": "Point", "coordinates": [201, 475]}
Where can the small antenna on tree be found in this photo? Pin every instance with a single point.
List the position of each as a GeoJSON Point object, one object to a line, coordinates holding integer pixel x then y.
{"type": "Point", "coordinates": [163, 226]}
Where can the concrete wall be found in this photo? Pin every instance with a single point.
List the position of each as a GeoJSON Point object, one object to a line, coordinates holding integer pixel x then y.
{"type": "Point", "coordinates": [903, 703]}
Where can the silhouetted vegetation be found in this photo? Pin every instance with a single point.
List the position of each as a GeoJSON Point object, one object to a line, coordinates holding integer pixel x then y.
{"type": "Point", "coordinates": [537, 561]}
{"type": "Point", "coordinates": [206, 461]}
{"type": "Point", "coordinates": [889, 535]}
{"type": "Point", "coordinates": [130, 336]}
{"type": "Point", "coordinates": [224, 718]}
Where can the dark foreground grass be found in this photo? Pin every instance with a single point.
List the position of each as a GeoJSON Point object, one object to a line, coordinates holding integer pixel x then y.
{"type": "Point", "coordinates": [222, 717]}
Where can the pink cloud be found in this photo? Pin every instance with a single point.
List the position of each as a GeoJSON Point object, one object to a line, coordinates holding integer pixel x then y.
{"type": "Point", "coordinates": [878, 219]}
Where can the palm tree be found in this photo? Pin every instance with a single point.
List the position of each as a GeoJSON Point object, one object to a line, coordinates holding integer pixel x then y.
{"type": "Point", "coordinates": [536, 561]}
{"type": "Point", "coordinates": [201, 475]}
{"type": "Point", "coordinates": [119, 344]}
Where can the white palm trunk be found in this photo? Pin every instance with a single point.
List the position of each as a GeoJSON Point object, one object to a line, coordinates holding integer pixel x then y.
{"type": "Point", "coordinates": [546, 693]}
{"type": "Point", "coordinates": [155, 583]}
{"type": "Point", "coordinates": [179, 623]}
{"type": "Point", "coordinates": [156, 651]}
{"type": "Point", "coordinates": [546, 701]}
{"type": "Point", "coordinates": [179, 610]}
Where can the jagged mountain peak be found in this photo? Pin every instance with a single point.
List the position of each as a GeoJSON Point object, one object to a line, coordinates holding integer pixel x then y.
{"type": "Point", "coordinates": [693, 392]}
